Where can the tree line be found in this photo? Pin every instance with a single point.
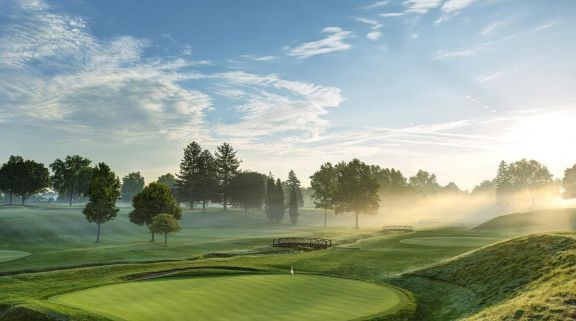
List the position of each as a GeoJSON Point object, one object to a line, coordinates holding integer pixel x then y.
{"type": "Point", "coordinates": [216, 178]}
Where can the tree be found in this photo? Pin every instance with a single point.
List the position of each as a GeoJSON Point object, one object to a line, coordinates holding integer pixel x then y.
{"type": "Point", "coordinates": [169, 180]}
{"type": "Point", "coordinates": [103, 192]}
{"type": "Point", "coordinates": [132, 184]}
{"type": "Point", "coordinates": [207, 180]}
{"type": "Point", "coordinates": [10, 175]}
{"type": "Point", "coordinates": [29, 178]}
{"type": "Point", "coordinates": [71, 176]}
{"type": "Point", "coordinates": [164, 223]}
{"type": "Point", "coordinates": [275, 207]}
{"type": "Point", "coordinates": [424, 182]}
{"type": "Point", "coordinates": [188, 185]}
{"type": "Point", "coordinates": [324, 184]}
{"type": "Point", "coordinates": [357, 190]}
{"type": "Point", "coordinates": [486, 186]}
{"type": "Point", "coordinates": [523, 175]}
{"type": "Point", "coordinates": [247, 190]}
{"type": "Point", "coordinates": [452, 188]}
{"type": "Point", "coordinates": [569, 183]}
{"type": "Point", "coordinates": [154, 199]}
{"type": "Point", "coordinates": [227, 165]}
{"type": "Point", "coordinates": [393, 186]}
{"type": "Point", "coordinates": [294, 196]}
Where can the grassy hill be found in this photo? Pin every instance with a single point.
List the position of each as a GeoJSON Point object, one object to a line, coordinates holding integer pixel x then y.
{"type": "Point", "coordinates": [560, 219]}
{"type": "Point", "coordinates": [526, 278]}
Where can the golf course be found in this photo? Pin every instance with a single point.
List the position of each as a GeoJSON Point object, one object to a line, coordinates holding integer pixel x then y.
{"type": "Point", "coordinates": [53, 271]}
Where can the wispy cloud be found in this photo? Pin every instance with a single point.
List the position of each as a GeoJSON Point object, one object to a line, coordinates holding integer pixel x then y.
{"type": "Point", "coordinates": [490, 76]}
{"type": "Point", "coordinates": [391, 14]}
{"type": "Point", "coordinates": [490, 28]}
{"type": "Point", "coordinates": [333, 42]}
{"type": "Point", "coordinates": [375, 27]}
{"type": "Point", "coordinates": [421, 6]}
{"type": "Point", "coordinates": [479, 103]}
{"type": "Point", "coordinates": [456, 5]}
{"type": "Point", "coordinates": [446, 54]}
{"type": "Point", "coordinates": [377, 4]}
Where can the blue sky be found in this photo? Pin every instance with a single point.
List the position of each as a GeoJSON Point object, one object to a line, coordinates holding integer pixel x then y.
{"type": "Point", "coordinates": [451, 86]}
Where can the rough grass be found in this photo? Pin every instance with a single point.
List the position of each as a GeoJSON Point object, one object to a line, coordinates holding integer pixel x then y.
{"type": "Point", "coordinates": [560, 219]}
{"type": "Point", "coordinates": [526, 278]}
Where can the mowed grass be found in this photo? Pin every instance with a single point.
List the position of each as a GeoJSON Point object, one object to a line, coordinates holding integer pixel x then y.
{"type": "Point", "coordinates": [60, 236]}
{"type": "Point", "coordinates": [462, 241]}
{"type": "Point", "coordinates": [7, 255]}
{"type": "Point", "coordinates": [247, 297]}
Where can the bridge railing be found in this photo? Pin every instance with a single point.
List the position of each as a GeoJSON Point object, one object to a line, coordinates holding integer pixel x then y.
{"type": "Point", "coordinates": [301, 242]}
{"type": "Point", "coordinates": [398, 228]}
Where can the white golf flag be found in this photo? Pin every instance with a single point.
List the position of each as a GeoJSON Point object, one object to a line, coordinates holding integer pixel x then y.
{"type": "Point", "coordinates": [292, 270]}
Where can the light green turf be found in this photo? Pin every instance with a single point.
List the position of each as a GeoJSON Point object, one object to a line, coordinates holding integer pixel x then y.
{"type": "Point", "coordinates": [247, 297]}
{"type": "Point", "coordinates": [7, 255]}
{"type": "Point", "coordinates": [464, 241]}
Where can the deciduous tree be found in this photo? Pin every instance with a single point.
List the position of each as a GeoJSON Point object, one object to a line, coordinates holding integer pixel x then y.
{"type": "Point", "coordinates": [569, 182]}
{"type": "Point", "coordinates": [164, 223]}
{"type": "Point", "coordinates": [103, 192]}
{"type": "Point", "coordinates": [9, 175]}
{"type": "Point", "coordinates": [132, 184]}
{"type": "Point", "coordinates": [71, 176]}
{"type": "Point", "coordinates": [247, 190]}
{"type": "Point", "coordinates": [154, 199]}
{"type": "Point", "coordinates": [324, 184]}
{"type": "Point", "coordinates": [357, 190]}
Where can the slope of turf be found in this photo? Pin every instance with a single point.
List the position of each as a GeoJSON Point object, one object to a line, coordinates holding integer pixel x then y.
{"type": "Point", "coordinates": [526, 278]}
{"type": "Point", "coordinates": [247, 297]}
{"type": "Point", "coordinates": [462, 241]}
{"type": "Point", "coordinates": [8, 255]}
{"type": "Point", "coordinates": [560, 219]}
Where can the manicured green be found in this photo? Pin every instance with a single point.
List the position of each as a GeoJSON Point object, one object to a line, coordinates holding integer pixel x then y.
{"type": "Point", "coordinates": [462, 241]}
{"type": "Point", "coordinates": [247, 297]}
{"type": "Point", "coordinates": [7, 255]}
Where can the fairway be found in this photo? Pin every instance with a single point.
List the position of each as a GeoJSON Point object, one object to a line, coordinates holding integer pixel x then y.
{"type": "Point", "coordinates": [7, 255]}
{"type": "Point", "coordinates": [464, 241]}
{"type": "Point", "coordinates": [247, 297]}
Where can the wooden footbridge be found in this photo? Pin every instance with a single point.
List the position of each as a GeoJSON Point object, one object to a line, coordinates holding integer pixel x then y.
{"type": "Point", "coordinates": [298, 242]}
{"type": "Point", "coordinates": [397, 228]}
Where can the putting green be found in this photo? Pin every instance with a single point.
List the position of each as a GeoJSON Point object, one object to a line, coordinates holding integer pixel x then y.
{"type": "Point", "coordinates": [7, 255]}
{"type": "Point", "coordinates": [239, 298]}
{"type": "Point", "coordinates": [460, 241]}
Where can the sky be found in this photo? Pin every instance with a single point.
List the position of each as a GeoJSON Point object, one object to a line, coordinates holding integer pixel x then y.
{"type": "Point", "coordinates": [449, 86]}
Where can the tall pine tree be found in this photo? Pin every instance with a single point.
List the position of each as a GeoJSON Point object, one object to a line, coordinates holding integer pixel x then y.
{"type": "Point", "coordinates": [227, 166]}
{"type": "Point", "coordinates": [293, 199]}
{"type": "Point", "coordinates": [188, 185]}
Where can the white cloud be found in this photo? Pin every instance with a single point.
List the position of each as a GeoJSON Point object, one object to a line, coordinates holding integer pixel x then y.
{"type": "Point", "coordinates": [445, 54]}
{"type": "Point", "coordinates": [91, 86]}
{"type": "Point", "coordinates": [374, 35]}
{"type": "Point", "coordinates": [368, 21]}
{"type": "Point", "coordinates": [490, 76]}
{"type": "Point", "coordinates": [377, 4]}
{"type": "Point", "coordinates": [421, 6]}
{"type": "Point", "coordinates": [490, 28]}
{"type": "Point", "coordinates": [391, 14]}
{"type": "Point", "coordinates": [265, 58]}
{"type": "Point", "coordinates": [334, 42]}
{"type": "Point", "coordinates": [269, 104]}
{"type": "Point", "coordinates": [456, 5]}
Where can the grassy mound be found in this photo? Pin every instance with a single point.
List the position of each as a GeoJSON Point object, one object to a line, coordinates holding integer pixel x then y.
{"type": "Point", "coordinates": [526, 278]}
{"type": "Point", "coordinates": [561, 219]}
{"type": "Point", "coordinates": [8, 255]}
{"type": "Point", "coordinates": [462, 241]}
{"type": "Point", "coordinates": [246, 297]}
